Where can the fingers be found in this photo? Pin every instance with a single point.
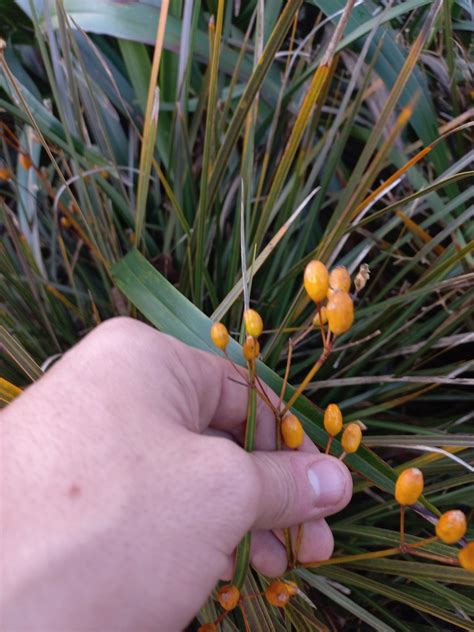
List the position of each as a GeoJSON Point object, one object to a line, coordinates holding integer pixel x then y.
{"type": "Point", "coordinates": [317, 542]}
{"type": "Point", "coordinates": [294, 487]}
{"type": "Point", "coordinates": [268, 555]}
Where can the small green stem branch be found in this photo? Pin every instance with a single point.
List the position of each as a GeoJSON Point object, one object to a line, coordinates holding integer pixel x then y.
{"type": "Point", "coordinates": [242, 556]}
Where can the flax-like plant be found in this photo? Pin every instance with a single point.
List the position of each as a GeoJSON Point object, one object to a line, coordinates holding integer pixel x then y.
{"type": "Point", "coordinates": [183, 163]}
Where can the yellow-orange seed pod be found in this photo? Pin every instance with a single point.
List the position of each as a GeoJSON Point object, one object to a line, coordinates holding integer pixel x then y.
{"type": "Point", "coordinates": [277, 594]}
{"type": "Point", "coordinates": [25, 161]}
{"type": "Point", "coordinates": [324, 317]}
{"type": "Point", "coordinates": [5, 174]}
{"type": "Point", "coordinates": [292, 431]}
{"type": "Point", "coordinates": [409, 486]}
{"type": "Point", "coordinates": [65, 222]}
{"type": "Point", "coordinates": [351, 438]}
{"type": "Point", "coordinates": [253, 323]}
{"type": "Point", "coordinates": [451, 526]}
{"type": "Point", "coordinates": [466, 557]}
{"type": "Point", "coordinates": [340, 312]}
{"type": "Point", "coordinates": [333, 420]}
{"type": "Point", "coordinates": [316, 280]}
{"type": "Point", "coordinates": [251, 348]}
{"type": "Point", "coordinates": [340, 279]}
{"type": "Point", "coordinates": [228, 596]}
{"type": "Point", "coordinates": [220, 335]}
{"type": "Point", "coordinates": [207, 627]}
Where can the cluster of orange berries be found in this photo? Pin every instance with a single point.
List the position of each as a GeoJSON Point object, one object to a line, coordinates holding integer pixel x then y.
{"type": "Point", "coordinates": [277, 594]}
{"type": "Point", "coordinates": [451, 526]}
{"type": "Point", "coordinates": [291, 429]}
{"type": "Point", "coordinates": [320, 285]}
{"type": "Point", "coordinates": [253, 327]}
{"type": "Point", "coordinates": [333, 422]}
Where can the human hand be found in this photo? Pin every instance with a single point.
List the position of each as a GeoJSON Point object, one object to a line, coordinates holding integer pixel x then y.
{"type": "Point", "coordinates": [125, 491]}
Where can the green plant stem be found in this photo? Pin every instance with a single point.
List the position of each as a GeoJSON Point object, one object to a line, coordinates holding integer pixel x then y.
{"type": "Point", "coordinates": [242, 556]}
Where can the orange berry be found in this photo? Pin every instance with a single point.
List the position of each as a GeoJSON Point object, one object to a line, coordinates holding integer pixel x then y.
{"type": "Point", "coordinates": [251, 348]}
{"type": "Point", "coordinates": [351, 438]}
{"type": "Point", "coordinates": [5, 174]}
{"type": "Point", "coordinates": [65, 222]}
{"type": "Point", "coordinates": [451, 526]}
{"type": "Point", "coordinates": [409, 486]}
{"type": "Point", "coordinates": [340, 279]}
{"type": "Point", "coordinates": [340, 312]}
{"type": "Point", "coordinates": [25, 161]}
{"type": "Point", "coordinates": [207, 627]}
{"type": "Point", "coordinates": [466, 557]}
{"type": "Point", "coordinates": [333, 420]}
{"type": "Point", "coordinates": [253, 323]}
{"type": "Point", "coordinates": [277, 594]}
{"type": "Point", "coordinates": [220, 335]}
{"type": "Point", "coordinates": [316, 280]}
{"type": "Point", "coordinates": [324, 317]}
{"type": "Point", "coordinates": [228, 596]}
{"type": "Point", "coordinates": [292, 431]}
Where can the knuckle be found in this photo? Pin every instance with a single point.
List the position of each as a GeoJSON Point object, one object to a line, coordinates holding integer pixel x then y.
{"type": "Point", "coordinates": [278, 484]}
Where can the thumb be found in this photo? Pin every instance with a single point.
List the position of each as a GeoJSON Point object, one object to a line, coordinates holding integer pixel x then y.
{"type": "Point", "coordinates": [295, 487]}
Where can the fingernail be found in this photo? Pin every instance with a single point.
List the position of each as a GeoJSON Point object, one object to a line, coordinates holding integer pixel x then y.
{"type": "Point", "coordinates": [328, 482]}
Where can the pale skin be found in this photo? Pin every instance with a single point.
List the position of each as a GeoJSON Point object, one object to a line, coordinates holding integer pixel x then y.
{"type": "Point", "coordinates": [124, 489]}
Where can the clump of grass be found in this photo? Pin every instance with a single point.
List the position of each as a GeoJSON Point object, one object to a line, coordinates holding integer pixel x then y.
{"type": "Point", "coordinates": [349, 146]}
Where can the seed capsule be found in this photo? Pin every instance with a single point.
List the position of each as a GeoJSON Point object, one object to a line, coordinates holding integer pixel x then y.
{"type": "Point", "coordinates": [207, 627]}
{"type": "Point", "coordinates": [228, 596]}
{"type": "Point", "coordinates": [340, 312]}
{"type": "Point", "coordinates": [351, 438]}
{"type": "Point", "coordinates": [220, 335]}
{"type": "Point", "coordinates": [333, 420]}
{"type": "Point", "coordinates": [409, 486]}
{"type": "Point", "coordinates": [362, 277]}
{"type": "Point", "coordinates": [451, 526]}
{"type": "Point", "coordinates": [251, 348]}
{"type": "Point", "coordinates": [316, 280]}
{"type": "Point", "coordinates": [324, 317]}
{"type": "Point", "coordinates": [277, 594]}
{"type": "Point", "coordinates": [253, 323]}
{"type": "Point", "coordinates": [466, 557]}
{"type": "Point", "coordinates": [340, 279]}
{"type": "Point", "coordinates": [292, 431]}
{"type": "Point", "coordinates": [25, 161]}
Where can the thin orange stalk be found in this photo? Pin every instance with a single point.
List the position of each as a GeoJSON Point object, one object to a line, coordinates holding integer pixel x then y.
{"type": "Point", "coordinates": [321, 326]}
{"type": "Point", "coordinates": [318, 364]}
{"type": "Point", "coordinates": [328, 447]}
{"type": "Point", "coordinates": [374, 554]}
{"type": "Point", "coordinates": [353, 558]}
